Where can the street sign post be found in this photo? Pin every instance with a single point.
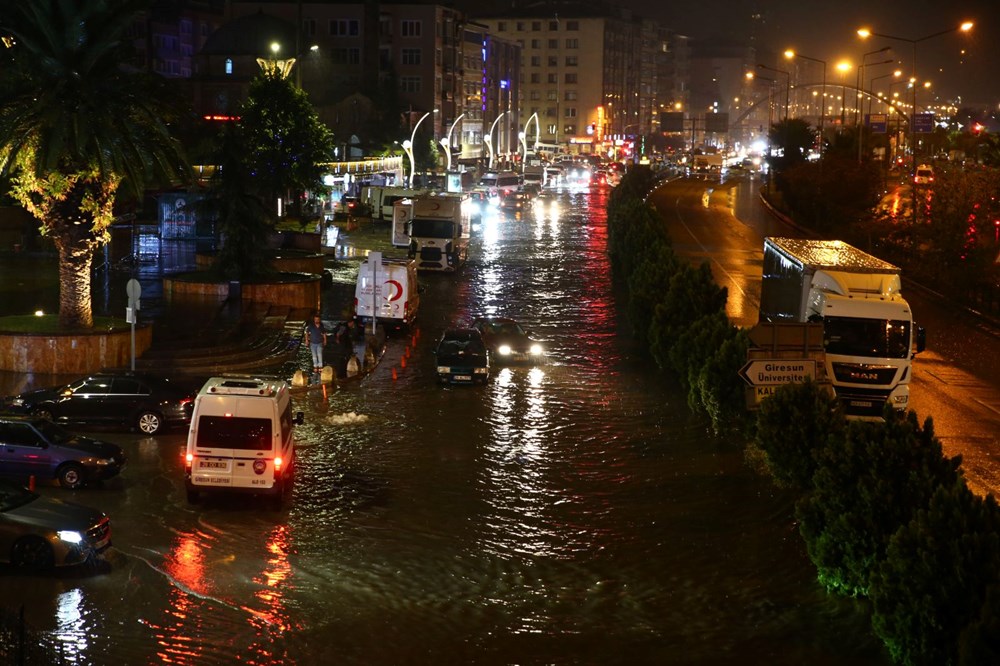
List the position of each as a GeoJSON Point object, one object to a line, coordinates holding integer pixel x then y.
{"type": "Point", "coordinates": [375, 262]}
{"type": "Point", "coordinates": [782, 353]}
{"type": "Point", "coordinates": [777, 371]}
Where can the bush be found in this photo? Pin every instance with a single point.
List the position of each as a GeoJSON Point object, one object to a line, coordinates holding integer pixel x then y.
{"type": "Point", "coordinates": [792, 425]}
{"type": "Point", "coordinates": [646, 285]}
{"type": "Point", "coordinates": [864, 489]}
{"type": "Point", "coordinates": [692, 294]}
{"type": "Point", "coordinates": [935, 577]}
{"type": "Point", "coordinates": [719, 393]}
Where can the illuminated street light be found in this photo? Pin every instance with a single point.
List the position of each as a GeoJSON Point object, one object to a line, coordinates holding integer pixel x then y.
{"type": "Point", "coordinates": [523, 137]}
{"type": "Point", "coordinates": [865, 33]}
{"type": "Point", "coordinates": [489, 138]}
{"type": "Point", "coordinates": [446, 144]}
{"type": "Point", "coordinates": [790, 54]}
{"type": "Point", "coordinates": [408, 145]}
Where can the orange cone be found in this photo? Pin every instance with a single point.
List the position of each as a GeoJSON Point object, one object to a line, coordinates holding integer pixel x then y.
{"type": "Point", "coordinates": [407, 352]}
{"type": "Point", "coordinates": [31, 482]}
{"type": "Point", "coordinates": [402, 362]}
{"type": "Point", "coordinates": [394, 377]}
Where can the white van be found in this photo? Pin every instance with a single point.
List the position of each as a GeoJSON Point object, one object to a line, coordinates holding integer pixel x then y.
{"type": "Point", "coordinates": [387, 289]}
{"type": "Point", "coordinates": [240, 439]}
{"type": "Point", "coordinates": [402, 213]}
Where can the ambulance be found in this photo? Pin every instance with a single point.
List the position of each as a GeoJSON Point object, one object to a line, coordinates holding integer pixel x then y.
{"type": "Point", "coordinates": [387, 289]}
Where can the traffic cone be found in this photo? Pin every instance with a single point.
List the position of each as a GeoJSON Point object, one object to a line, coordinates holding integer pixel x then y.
{"type": "Point", "coordinates": [402, 362]}
{"type": "Point", "coordinates": [394, 377]}
{"type": "Point", "coordinates": [31, 482]}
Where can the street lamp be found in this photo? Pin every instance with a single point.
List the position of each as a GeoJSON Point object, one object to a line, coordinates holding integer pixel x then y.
{"type": "Point", "coordinates": [788, 83]}
{"type": "Point", "coordinates": [790, 54]}
{"type": "Point", "coordinates": [523, 137]}
{"type": "Point", "coordinates": [446, 144]}
{"type": "Point", "coordinates": [860, 81]}
{"type": "Point", "coordinates": [489, 138]}
{"type": "Point", "coordinates": [408, 144]}
{"type": "Point", "coordinates": [865, 33]}
{"type": "Point", "coordinates": [871, 92]}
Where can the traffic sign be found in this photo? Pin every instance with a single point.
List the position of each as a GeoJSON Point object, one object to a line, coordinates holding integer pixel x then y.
{"type": "Point", "coordinates": [923, 123]}
{"type": "Point", "coordinates": [133, 289]}
{"type": "Point", "coordinates": [777, 371]}
{"type": "Point", "coordinates": [877, 122]}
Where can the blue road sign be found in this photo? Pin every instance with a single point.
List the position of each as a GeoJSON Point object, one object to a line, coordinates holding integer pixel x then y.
{"type": "Point", "coordinates": [923, 123]}
{"type": "Point", "coordinates": [877, 122]}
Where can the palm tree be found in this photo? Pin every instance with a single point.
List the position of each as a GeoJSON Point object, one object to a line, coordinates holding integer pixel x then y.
{"type": "Point", "coordinates": [77, 124]}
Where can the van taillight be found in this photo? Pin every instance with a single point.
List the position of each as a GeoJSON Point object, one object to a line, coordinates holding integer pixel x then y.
{"type": "Point", "coordinates": [189, 459]}
{"type": "Point", "coordinates": [277, 464]}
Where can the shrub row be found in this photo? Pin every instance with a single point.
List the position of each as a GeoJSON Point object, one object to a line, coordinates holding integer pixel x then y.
{"type": "Point", "coordinates": [884, 515]}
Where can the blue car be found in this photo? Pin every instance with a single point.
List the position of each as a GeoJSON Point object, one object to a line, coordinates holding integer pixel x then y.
{"type": "Point", "coordinates": [39, 448]}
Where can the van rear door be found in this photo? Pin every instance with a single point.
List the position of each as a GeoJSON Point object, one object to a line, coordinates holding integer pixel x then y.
{"type": "Point", "coordinates": [233, 450]}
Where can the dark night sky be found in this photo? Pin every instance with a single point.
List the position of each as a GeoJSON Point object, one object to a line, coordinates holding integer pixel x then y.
{"type": "Point", "coordinates": [826, 30]}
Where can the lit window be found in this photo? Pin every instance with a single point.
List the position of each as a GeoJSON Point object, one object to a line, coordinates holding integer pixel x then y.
{"type": "Point", "coordinates": [229, 65]}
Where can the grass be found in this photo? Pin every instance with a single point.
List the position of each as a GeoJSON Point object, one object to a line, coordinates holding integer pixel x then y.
{"type": "Point", "coordinates": [49, 325]}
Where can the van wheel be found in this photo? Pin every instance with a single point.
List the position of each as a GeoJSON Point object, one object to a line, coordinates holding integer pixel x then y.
{"type": "Point", "coordinates": [149, 423]}
{"type": "Point", "coordinates": [70, 476]}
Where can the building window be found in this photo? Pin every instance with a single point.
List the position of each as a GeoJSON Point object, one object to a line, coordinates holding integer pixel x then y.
{"type": "Point", "coordinates": [411, 28]}
{"type": "Point", "coordinates": [502, 26]}
{"type": "Point", "coordinates": [411, 56]}
{"type": "Point", "coordinates": [536, 43]}
{"type": "Point", "coordinates": [553, 78]}
{"type": "Point", "coordinates": [550, 129]}
{"type": "Point", "coordinates": [344, 28]}
{"type": "Point", "coordinates": [573, 43]}
{"type": "Point", "coordinates": [571, 61]}
{"type": "Point", "coordinates": [570, 112]}
{"type": "Point", "coordinates": [309, 27]}
{"type": "Point", "coordinates": [520, 26]}
{"type": "Point", "coordinates": [553, 95]}
{"type": "Point", "coordinates": [536, 61]}
{"type": "Point", "coordinates": [229, 65]}
{"type": "Point", "coordinates": [570, 78]}
{"type": "Point", "coordinates": [409, 84]}
{"type": "Point", "coordinates": [570, 96]}
{"type": "Point", "coordinates": [569, 129]}
{"type": "Point", "coordinates": [553, 43]}
{"type": "Point", "coordinates": [553, 26]}
{"type": "Point", "coordinates": [534, 95]}
{"type": "Point", "coordinates": [345, 56]}
{"type": "Point", "coordinates": [536, 25]}
{"type": "Point", "coordinates": [573, 25]}
{"type": "Point", "coordinates": [553, 61]}
{"type": "Point", "coordinates": [536, 77]}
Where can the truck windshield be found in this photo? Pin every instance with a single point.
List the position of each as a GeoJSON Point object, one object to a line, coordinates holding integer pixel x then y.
{"type": "Point", "coordinates": [424, 228]}
{"type": "Point", "coordinates": [851, 336]}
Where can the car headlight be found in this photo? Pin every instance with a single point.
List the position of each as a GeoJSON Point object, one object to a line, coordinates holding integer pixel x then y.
{"type": "Point", "coordinates": [70, 536]}
{"type": "Point", "coordinates": [504, 350]}
{"type": "Point", "coordinates": [17, 402]}
{"type": "Point", "coordinates": [536, 349]}
{"type": "Point", "coordinates": [481, 371]}
{"type": "Point", "coordinates": [443, 369]}
{"type": "Point", "coordinates": [104, 461]}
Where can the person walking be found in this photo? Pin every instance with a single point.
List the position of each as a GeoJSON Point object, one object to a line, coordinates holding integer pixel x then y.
{"type": "Point", "coordinates": [316, 335]}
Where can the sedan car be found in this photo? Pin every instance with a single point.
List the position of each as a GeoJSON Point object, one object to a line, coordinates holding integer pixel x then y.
{"type": "Point", "coordinates": [462, 358]}
{"type": "Point", "coordinates": [144, 402]}
{"type": "Point", "coordinates": [40, 533]}
{"type": "Point", "coordinates": [34, 447]}
{"type": "Point", "coordinates": [508, 340]}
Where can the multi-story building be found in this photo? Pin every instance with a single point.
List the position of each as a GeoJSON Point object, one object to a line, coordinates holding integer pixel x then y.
{"type": "Point", "coordinates": [588, 73]}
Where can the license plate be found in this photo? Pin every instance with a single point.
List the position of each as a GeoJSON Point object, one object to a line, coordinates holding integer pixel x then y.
{"type": "Point", "coordinates": [215, 480]}
{"type": "Point", "coordinates": [861, 403]}
{"type": "Point", "coordinates": [463, 378]}
{"type": "Point", "coordinates": [211, 464]}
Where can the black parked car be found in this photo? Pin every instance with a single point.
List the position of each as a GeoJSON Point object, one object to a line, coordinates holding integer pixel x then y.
{"type": "Point", "coordinates": [30, 446]}
{"type": "Point", "coordinates": [462, 357]}
{"type": "Point", "coordinates": [39, 532]}
{"type": "Point", "coordinates": [145, 402]}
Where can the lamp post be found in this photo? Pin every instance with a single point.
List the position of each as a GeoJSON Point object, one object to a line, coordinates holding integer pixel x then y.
{"type": "Point", "coordinates": [523, 137]}
{"type": "Point", "coordinates": [446, 144]}
{"type": "Point", "coordinates": [871, 88]}
{"type": "Point", "coordinates": [865, 33]}
{"type": "Point", "coordinates": [861, 73]}
{"type": "Point", "coordinates": [790, 54]}
{"type": "Point", "coordinates": [489, 138]}
{"type": "Point", "coordinates": [788, 83]}
{"type": "Point", "coordinates": [408, 145]}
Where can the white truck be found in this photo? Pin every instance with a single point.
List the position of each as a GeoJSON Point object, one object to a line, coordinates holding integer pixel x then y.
{"type": "Point", "coordinates": [709, 162]}
{"type": "Point", "coordinates": [439, 231]}
{"type": "Point", "coordinates": [869, 336]}
{"type": "Point", "coordinates": [387, 290]}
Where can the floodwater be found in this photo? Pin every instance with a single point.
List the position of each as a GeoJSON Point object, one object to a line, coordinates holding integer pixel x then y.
{"type": "Point", "coordinates": [574, 512]}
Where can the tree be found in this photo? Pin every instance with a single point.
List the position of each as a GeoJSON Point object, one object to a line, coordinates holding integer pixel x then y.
{"type": "Point", "coordinates": [286, 143]}
{"type": "Point", "coordinates": [76, 126]}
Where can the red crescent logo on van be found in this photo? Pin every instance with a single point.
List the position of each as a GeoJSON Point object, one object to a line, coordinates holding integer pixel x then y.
{"type": "Point", "coordinates": [399, 289]}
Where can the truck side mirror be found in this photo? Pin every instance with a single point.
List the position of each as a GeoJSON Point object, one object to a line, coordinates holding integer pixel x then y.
{"type": "Point", "coordinates": [921, 339]}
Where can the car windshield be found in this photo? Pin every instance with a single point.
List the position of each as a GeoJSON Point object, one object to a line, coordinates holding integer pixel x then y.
{"type": "Point", "coordinates": [13, 496]}
{"type": "Point", "coordinates": [852, 336]}
{"type": "Point", "coordinates": [503, 328]}
{"type": "Point", "coordinates": [53, 433]}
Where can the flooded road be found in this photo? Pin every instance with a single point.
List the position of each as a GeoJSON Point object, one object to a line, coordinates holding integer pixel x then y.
{"type": "Point", "coordinates": [574, 512]}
